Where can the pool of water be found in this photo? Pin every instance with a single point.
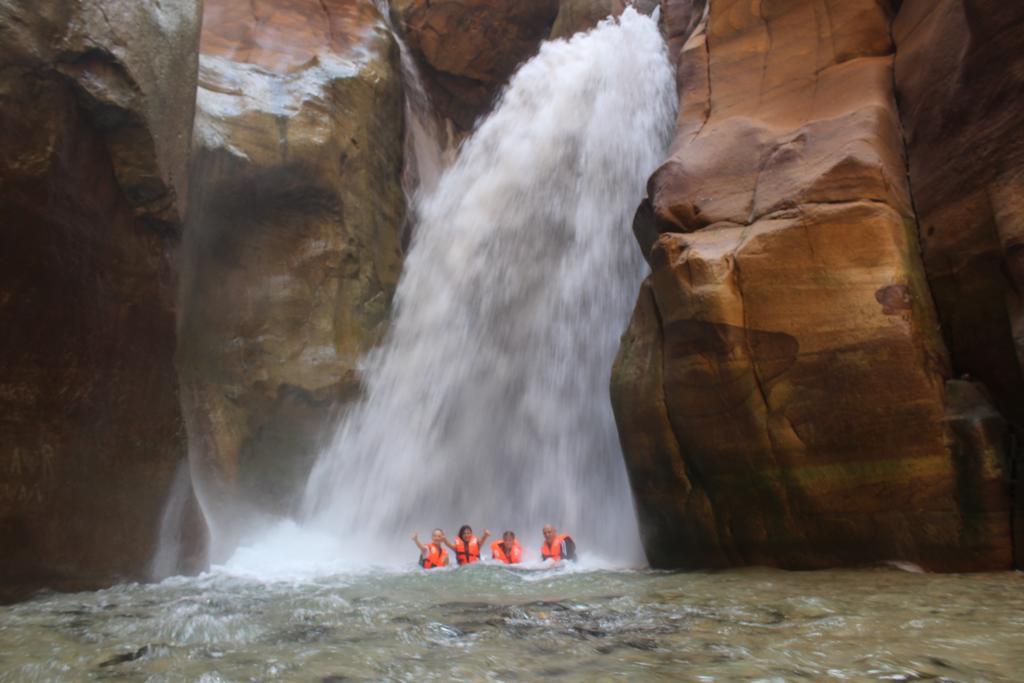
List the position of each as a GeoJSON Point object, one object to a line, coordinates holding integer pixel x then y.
{"type": "Point", "coordinates": [492, 623]}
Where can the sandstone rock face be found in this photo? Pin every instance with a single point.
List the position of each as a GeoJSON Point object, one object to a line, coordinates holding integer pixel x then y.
{"type": "Point", "coordinates": [582, 15]}
{"type": "Point", "coordinates": [960, 79]}
{"type": "Point", "coordinates": [96, 104]}
{"type": "Point", "coordinates": [782, 389]}
{"type": "Point", "coordinates": [293, 244]}
{"type": "Point", "coordinates": [467, 49]}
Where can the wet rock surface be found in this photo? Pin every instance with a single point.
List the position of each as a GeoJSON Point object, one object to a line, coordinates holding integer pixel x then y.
{"type": "Point", "coordinates": [467, 49]}
{"type": "Point", "coordinates": [781, 391]}
{"type": "Point", "coordinates": [582, 15]}
{"type": "Point", "coordinates": [293, 245]}
{"type": "Point", "coordinates": [96, 106]}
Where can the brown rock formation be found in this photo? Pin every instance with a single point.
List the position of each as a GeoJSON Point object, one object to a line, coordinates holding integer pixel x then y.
{"type": "Point", "coordinates": [96, 105]}
{"type": "Point", "coordinates": [960, 80]}
{"type": "Point", "coordinates": [467, 49]}
{"type": "Point", "coordinates": [781, 392]}
{"type": "Point", "coordinates": [582, 15]}
{"type": "Point", "coordinates": [284, 37]}
{"type": "Point", "coordinates": [293, 244]}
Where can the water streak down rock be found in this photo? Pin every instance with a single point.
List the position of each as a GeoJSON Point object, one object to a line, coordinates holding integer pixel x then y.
{"type": "Point", "coordinates": [467, 49]}
{"type": "Point", "coordinates": [781, 391]}
{"type": "Point", "coordinates": [293, 244]}
{"type": "Point", "coordinates": [96, 106]}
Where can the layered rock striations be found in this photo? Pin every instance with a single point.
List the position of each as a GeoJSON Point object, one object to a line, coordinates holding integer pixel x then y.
{"type": "Point", "coordinates": [96, 107]}
{"type": "Point", "coordinates": [783, 391]}
{"type": "Point", "coordinates": [293, 246]}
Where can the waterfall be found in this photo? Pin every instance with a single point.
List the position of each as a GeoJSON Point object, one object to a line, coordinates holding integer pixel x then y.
{"type": "Point", "coordinates": [169, 552]}
{"type": "Point", "coordinates": [423, 152]}
{"type": "Point", "coordinates": [488, 402]}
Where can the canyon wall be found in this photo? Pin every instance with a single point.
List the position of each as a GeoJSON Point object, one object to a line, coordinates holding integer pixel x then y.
{"type": "Point", "coordinates": [96, 107]}
{"type": "Point", "coordinates": [960, 82]}
{"type": "Point", "coordinates": [292, 251]}
{"type": "Point", "coordinates": [824, 367]}
{"type": "Point", "coordinates": [250, 305]}
{"type": "Point", "coordinates": [785, 393]}
{"type": "Point", "coordinates": [466, 50]}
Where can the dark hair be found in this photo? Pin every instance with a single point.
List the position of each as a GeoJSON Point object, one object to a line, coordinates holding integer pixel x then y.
{"type": "Point", "coordinates": [464, 528]}
{"type": "Point", "coordinates": [509, 533]}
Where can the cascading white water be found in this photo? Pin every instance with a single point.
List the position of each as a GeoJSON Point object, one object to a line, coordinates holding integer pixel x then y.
{"type": "Point", "coordinates": [424, 156]}
{"type": "Point", "coordinates": [488, 402]}
{"type": "Point", "coordinates": [168, 558]}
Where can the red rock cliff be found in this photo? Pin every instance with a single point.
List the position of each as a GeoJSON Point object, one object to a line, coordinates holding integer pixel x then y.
{"type": "Point", "coordinates": [783, 392]}
{"type": "Point", "coordinates": [468, 49]}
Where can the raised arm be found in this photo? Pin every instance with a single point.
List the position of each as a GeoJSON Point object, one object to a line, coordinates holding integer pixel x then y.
{"type": "Point", "coordinates": [448, 543]}
{"type": "Point", "coordinates": [483, 539]}
{"type": "Point", "coordinates": [416, 540]}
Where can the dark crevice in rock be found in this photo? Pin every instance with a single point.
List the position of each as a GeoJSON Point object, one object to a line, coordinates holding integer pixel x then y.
{"type": "Point", "coordinates": [1014, 430]}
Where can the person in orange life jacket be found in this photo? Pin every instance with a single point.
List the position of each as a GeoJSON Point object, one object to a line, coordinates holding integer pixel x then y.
{"type": "Point", "coordinates": [433, 554]}
{"type": "Point", "coordinates": [467, 546]}
{"type": "Point", "coordinates": [507, 550]}
{"type": "Point", "coordinates": [557, 547]}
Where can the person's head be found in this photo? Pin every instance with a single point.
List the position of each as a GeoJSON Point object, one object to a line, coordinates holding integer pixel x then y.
{"type": "Point", "coordinates": [549, 533]}
{"type": "Point", "coordinates": [465, 532]}
{"type": "Point", "coordinates": [508, 538]}
{"type": "Point", "coordinates": [437, 536]}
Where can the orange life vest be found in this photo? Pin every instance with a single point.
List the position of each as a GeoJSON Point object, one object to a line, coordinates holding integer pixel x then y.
{"type": "Point", "coordinates": [436, 557]}
{"type": "Point", "coordinates": [514, 556]}
{"type": "Point", "coordinates": [554, 550]}
{"type": "Point", "coordinates": [464, 556]}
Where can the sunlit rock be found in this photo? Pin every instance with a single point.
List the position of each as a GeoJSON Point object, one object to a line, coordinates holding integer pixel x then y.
{"type": "Point", "coordinates": [96, 106]}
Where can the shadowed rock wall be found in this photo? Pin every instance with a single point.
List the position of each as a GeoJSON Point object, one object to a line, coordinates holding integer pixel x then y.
{"type": "Point", "coordinates": [782, 392]}
{"type": "Point", "coordinates": [293, 244]}
{"type": "Point", "coordinates": [96, 105]}
{"type": "Point", "coordinates": [960, 81]}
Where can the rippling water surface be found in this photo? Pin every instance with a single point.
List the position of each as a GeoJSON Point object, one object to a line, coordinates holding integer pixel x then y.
{"type": "Point", "coordinates": [491, 623]}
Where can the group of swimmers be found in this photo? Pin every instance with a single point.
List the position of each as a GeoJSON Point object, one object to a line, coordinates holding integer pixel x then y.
{"type": "Point", "coordinates": [508, 551]}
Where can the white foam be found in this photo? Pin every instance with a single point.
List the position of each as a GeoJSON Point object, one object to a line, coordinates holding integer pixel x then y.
{"type": "Point", "coordinates": [288, 551]}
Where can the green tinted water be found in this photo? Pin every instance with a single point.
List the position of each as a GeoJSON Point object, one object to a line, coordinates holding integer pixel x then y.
{"type": "Point", "coordinates": [489, 623]}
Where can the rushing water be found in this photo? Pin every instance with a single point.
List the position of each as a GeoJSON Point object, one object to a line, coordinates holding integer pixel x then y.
{"type": "Point", "coordinates": [488, 402]}
{"type": "Point", "coordinates": [168, 560]}
{"type": "Point", "coordinates": [491, 623]}
{"type": "Point", "coordinates": [423, 150]}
